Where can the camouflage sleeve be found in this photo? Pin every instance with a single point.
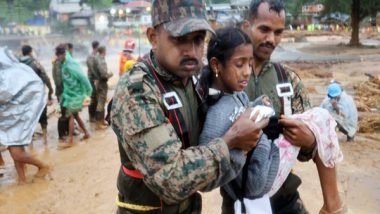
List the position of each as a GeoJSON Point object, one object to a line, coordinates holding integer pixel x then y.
{"type": "Point", "coordinates": [57, 80]}
{"type": "Point", "coordinates": [300, 103]}
{"type": "Point", "coordinates": [89, 67]}
{"type": "Point", "coordinates": [300, 99]}
{"type": "Point", "coordinates": [153, 147]}
{"type": "Point", "coordinates": [45, 78]}
{"type": "Point", "coordinates": [102, 68]}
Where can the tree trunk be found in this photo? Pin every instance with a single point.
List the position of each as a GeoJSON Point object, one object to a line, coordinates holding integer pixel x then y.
{"type": "Point", "coordinates": [355, 21]}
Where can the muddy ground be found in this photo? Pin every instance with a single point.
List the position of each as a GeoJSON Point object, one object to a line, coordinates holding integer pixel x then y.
{"type": "Point", "coordinates": [83, 179]}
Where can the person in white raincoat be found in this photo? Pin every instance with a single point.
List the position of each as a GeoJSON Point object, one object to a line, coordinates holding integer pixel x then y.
{"type": "Point", "coordinates": [22, 100]}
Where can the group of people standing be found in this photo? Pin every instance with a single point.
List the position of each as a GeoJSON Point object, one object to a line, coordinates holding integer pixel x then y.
{"type": "Point", "coordinates": [73, 89]}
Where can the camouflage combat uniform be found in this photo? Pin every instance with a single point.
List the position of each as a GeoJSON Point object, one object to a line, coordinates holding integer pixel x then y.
{"type": "Point", "coordinates": [40, 71]}
{"type": "Point", "coordinates": [161, 169]}
{"type": "Point", "coordinates": [92, 77]}
{"type": "Point", "coordinates": [149, 143]}
{"type": "Point", "coordinates": [100, 69]}
{"type": "Point", "coordinates": [265, 83]}
{"type": "Point", "coordinates": [63, 122]}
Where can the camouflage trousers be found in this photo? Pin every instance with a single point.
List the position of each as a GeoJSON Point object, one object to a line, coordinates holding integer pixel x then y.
{"type": "Point", "coordinates": [101, 90]}
{"type": "Point", "coordinates": [94, 101]}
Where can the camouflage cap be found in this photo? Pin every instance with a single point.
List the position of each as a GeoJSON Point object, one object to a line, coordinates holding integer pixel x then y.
{"type": "Point", "coordinates": [180, 17]}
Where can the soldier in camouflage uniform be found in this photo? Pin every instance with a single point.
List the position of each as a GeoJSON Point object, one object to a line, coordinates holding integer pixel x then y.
{"type": "Point", "coordinates": [100, 69]}
{"type": "Point", "coordinates": [92, 77]}
{"type": "Point", "coordinates": [28, 59]}
{"type": "Point", "coordinates": [63, 122]}
{"type": "Point", "coordinates": [265, 23]}
{"type": "Point", "coordinates": [157, 119]}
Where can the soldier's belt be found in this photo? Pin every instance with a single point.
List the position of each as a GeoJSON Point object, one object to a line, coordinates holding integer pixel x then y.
{"type": "Point", "coordinates": [135, 207]}
{"type": "Point", "coordinates": [132, 173]}
{"type": "Point", "coordinates": [183, 205]}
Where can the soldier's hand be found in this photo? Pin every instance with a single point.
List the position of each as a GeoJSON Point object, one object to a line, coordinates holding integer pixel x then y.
{"type": "Point", "coordinates": [297, 132]}
{"type": "Point", "coordinates": [50, 102]}
{"type": "Point", "coordinates": [266, 101]}
{"type": "Point", "coordinates": [244, 133]}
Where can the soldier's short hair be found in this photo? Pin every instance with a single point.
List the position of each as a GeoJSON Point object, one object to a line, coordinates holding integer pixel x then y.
{"type": "Point", "coordinates": [95, 44]}
{"type": "Point", "coordinates": [180, 17]}
{"type": "Point", "coordinates": [101, 49]}
{"type": "Point", "coordinates": [26, 50]}
{"type": "Point", "coordinates": [60, 49]}
{"type": "Point", "coordinates": [274, 5]}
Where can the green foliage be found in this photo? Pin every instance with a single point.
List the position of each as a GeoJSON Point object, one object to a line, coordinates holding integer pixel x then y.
{"type": "Point", "coordinates": [367, 7]}
{"type": "Point", "coordinates": [21, 10]}
{"type": "Point", "coordinates": [98, 4]}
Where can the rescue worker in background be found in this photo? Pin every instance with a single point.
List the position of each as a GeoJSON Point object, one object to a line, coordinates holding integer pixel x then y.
{"type": "Point", "coordinates": [92, 77]}
{"type": "Point", "coordinates": [163, 165]}
{"type": "Point", "coordinates": [343, 109]}
{"type": "Point", "coordinates": [126, 55]}
{"type": "Point", "coordinates": [28, 59]}
{"type": "Point", "coordinates": [100, 68]}
{"type": "Point", "coordinates": [63, 122]}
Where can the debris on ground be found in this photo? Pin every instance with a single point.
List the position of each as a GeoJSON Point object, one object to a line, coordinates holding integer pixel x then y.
{"type": "Point", "coordinates": [368, 94]}
{"type": "Point", "coordinates": [368, 100]}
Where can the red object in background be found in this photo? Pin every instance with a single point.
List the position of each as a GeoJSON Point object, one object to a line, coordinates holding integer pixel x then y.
{"type": "Point", "coordinates": [133, 4]}
{"type": "Point", "coordinates": [129, 45]}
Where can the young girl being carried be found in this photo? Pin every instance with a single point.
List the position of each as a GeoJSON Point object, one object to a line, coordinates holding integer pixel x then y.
{"type": "Point", "coordinates": [256, 176]}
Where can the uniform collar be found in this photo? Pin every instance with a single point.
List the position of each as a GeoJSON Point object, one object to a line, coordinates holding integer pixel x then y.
{"type": "Point", "coordinates": [267, 65]}
{"type": "Point", "coordinates": [164, 74]}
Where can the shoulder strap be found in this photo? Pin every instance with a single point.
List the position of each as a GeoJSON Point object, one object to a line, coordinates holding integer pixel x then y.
{"type": "Point", "coordinates": [281, 75]}
{"type": "Point", "coordinates": [282, 78]}
{"type": "Point", "coordinates": [240, 191]}
{"type": "Point", "coordinates": [174, 115]}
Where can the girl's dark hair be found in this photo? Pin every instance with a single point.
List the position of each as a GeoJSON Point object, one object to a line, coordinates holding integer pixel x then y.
{"type": "Point", "coordinates": [224, 42]}
{"type": "Point", "coordinates": [221, 46]}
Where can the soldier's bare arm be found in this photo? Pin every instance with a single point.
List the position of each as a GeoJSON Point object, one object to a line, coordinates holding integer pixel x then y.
{"type": "Point", "coordinates": [297, 133]}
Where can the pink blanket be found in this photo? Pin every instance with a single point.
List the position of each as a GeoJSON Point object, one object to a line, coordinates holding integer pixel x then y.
{"type": "Point", "coordinates": [322, 124]}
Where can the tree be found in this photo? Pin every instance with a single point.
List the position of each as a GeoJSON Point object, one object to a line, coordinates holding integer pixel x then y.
{"type": "Point", "coordinates": [98, 4]}
{"type": "Point", "coordinates": [359, 9]}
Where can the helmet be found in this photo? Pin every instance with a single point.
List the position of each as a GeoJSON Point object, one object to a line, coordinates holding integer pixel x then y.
{"type": "Point", "coordinates": [129, 45]}
{"type": "Point", "coordinates": [334, 90]}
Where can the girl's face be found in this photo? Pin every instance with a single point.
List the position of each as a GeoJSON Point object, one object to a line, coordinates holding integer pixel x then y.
{"type": "Point", "coordinates": [234, 76]}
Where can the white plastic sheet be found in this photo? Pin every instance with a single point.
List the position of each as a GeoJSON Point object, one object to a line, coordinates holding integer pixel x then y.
{"type": "Point", "coordinates": [22, 100]}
